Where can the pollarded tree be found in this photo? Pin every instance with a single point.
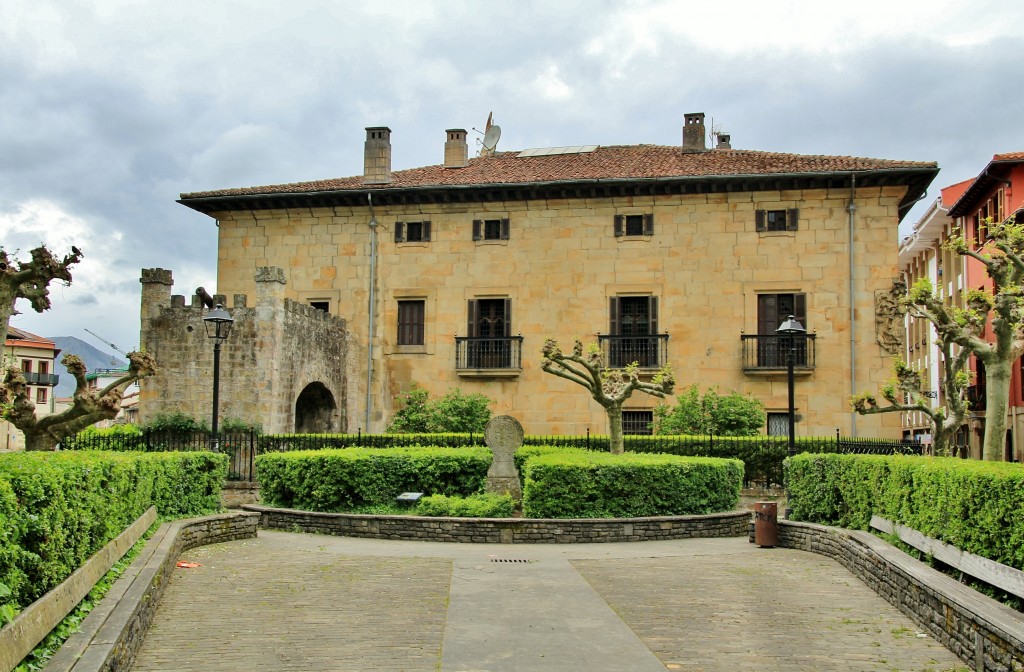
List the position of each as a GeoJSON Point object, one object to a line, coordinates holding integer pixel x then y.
{"type": "Point", "coordinates": [30, 280]}
{"type": "Point", "coordinates": [608, 387]}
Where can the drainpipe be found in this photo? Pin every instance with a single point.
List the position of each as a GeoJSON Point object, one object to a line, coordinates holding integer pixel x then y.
{"type": "Point", "coordinates": [370, 311]}
{"type": "Point", "coordinates": [852, 209]}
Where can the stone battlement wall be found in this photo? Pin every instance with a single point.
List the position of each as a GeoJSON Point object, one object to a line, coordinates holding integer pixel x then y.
{"type": "Point", "coordinates": [276, 350]}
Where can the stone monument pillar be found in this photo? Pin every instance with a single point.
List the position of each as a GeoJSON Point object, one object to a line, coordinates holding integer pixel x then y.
{"type": "Point", "coordinates": [504, 435]}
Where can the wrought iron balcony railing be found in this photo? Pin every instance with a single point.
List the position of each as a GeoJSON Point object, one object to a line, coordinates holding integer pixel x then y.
{"type": "Point", "coordinates": [771, 352]}
{"type": "Point", "coordinates": [472, 352]}
{"type": "Point", "coordinates": [649, 352]}
{"type": "Point", "coordinates": [33, 378]}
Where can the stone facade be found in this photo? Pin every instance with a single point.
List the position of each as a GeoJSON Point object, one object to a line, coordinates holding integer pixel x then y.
{"type": "Point", "coordinates": [283, 365]}
{"type": "Point", "coordinates": [705, 261]}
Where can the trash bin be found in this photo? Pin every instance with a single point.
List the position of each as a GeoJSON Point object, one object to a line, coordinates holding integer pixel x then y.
{"type": "Point", "coordinates": [766, 524]}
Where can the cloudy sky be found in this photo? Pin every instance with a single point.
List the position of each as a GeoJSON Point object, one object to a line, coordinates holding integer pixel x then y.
{"type": "Point", "coordinates": [110, 109]}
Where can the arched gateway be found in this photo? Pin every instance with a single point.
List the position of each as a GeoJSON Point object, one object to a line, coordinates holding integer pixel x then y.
{"type": "Point", "coordinates": [315, 410]}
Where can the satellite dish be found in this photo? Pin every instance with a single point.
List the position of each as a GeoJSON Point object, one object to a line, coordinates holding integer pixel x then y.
{"type": "Point", "coordinates": [491, 138]}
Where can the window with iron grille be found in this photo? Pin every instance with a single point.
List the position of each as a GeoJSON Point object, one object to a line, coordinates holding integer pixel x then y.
{"type": "Point", "coordinates": [412, 232]}
{"type": "Point", "coordinates": [776, 220]}
{"type": "Point", "coordinates": [637, 422]}
{"type": "Point", "coordinates": [634, 225]}
{"type": "Point", "coordinates": [778, 424]}
{"type": "Point", "coordinates": [490, 229]}
{"type": "Point", "coordinates": [411, 319]}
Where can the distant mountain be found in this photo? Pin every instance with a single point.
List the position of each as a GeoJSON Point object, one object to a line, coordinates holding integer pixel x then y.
{"type": "Point", "coordinates": [94, 358]}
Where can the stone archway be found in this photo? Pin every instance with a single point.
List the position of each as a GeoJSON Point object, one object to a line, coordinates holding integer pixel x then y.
{"type": "Point", "coordinates": [315, 410]}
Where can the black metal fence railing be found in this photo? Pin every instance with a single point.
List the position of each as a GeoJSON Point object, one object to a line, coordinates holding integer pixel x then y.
{"type": "Point", "coordinates": [762, 455]}
{"type": "Point", "coordinates": [649, 352]}
{"type": "Point", "coordinates": [771, 352]}
{"type": "Point", "coordinates": [473, 352]}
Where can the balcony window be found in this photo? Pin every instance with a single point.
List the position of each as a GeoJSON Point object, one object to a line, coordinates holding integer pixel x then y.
{"type": "Point", "coordinates": [633, 323]}
{"type": "Point", "coordinates": [489, 344]}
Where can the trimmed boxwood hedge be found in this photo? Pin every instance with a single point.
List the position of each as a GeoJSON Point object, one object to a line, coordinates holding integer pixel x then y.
{"type": "Point", "coordinates": [348, 478]}
{"type": "Point", "coordinates": [976, 506]}
{"type": "Point", "coordinates": [58, 509]}
{"type": "Point", "coordinates": [581, 484]}
{"type": "Point", "coordinates": [482, 505]}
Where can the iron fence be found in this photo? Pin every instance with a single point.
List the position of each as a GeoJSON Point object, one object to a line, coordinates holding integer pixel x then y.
{"type": "Point", "coordinates": [762, 456]}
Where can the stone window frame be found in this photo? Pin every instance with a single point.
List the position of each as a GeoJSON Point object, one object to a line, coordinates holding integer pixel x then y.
{"type": "Point", "coordinates": [776, 220]}
{"type": "Point", "coordinates": [492, 230]}
{"type": "Point", "coordinates": [416, 232]}
{"type": "Point", "coordinates": [633, 226]}
{"type": "Point", "coordinates": [430, 316]}
{"type": "Point", "coordinates": [406, 332]}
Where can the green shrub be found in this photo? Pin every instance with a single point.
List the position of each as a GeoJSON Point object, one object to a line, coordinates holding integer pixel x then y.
{"type": "Point", "coordinates": [481, 505]}
{"type": "Point", "coordinates": [578, 484]}
{"type": "Point", "coordinates": [733, 414]}
{"type": "Point", "coordinates": [341, 480]}
{"type": "Point", "coordinates": [176, 422]}
{"type": "Point", "coordinates": [454, 412]}
{"type": "Point", "coordinates": [117, 437]}
{"type": "Point", "coordinates": [58, 509]}
{"type": "Point", "coordinates": [976, 506]}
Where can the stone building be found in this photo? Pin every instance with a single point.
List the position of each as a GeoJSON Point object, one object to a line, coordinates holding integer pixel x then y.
{"type": "Point", "coordinates": [281, 367]}
{"type": "Point", "coordinates": [453, 275]}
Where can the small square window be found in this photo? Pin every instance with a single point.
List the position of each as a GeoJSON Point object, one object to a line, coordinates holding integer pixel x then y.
{"type": "Point", "coordinates": [637, 422]}
{"type": "Point", "coordinates": [411, 320]}
{"type": "Point", "coordinates": [321, 305]}
{"type": "Point", "coordinates": [412, 232]}
{"type": "Point", "coordinates": [778, 424]}
{"type": "Point", "coordinates": [776, 220]}
{"type": "Point", "coordinates": [490, 229]}
{"type": "Point", "coordinates": [634, 225]}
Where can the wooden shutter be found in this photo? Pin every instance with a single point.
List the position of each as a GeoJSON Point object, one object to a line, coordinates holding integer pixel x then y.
{"type": "Point", "coordinates": [613, 316]}
{"type": "Point", "coordinates": [792, 215]}
{"type": "Point", "coordinates": [399, 231]}
{"type": "Point", "coordinates": [800, 309]}
{"type": "Point", "coordinates": [652, 312]}
{"type": "Point", "coordinates": [426, 231]}
{"type": "Point", "coordinates": [471, 318]}
{"type": "Point", "coordinates": [767, 314]}
{"type": "Point", "coordinates": [620, 225]}
{"type": "Point", "coordinates": [478, 225]}
{"type": "Point", "coordinates": [649, 224]}
{"type": "Point", "coordinates": [508, 316]}
{"type": "Point", "coordinates": [759, 220]}
{"type": "Point", "coordinates": [504, 231]}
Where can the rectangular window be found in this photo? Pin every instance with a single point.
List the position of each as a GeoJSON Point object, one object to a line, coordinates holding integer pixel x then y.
{"type": "Point", "coordinates": [26, 365]}
{"type": "Point", "coordinates": [411, 318]}
{"type": "Point", "coordinates": [490, 229]}
{"type": "Point", "coordinates": [776, 220]}
{"type": "Point", "coordinates": [41, 395]}
{"type": "Point", "coordinates": [321, 305]}
{"type": "Point", "coordinates": [489, 332]}
{"type": "Point", "coordinates": [44, 368]}
{"type": "Point", "coordinates": [412, 232]}
{"type": "Point", "coordinates": [772, 311]}
{"type": "Point", "coordinates": [633, 323]}
{"type": "Point", "coordinates": [634, 225]}
{"type": "Point", "coordinates": [637, 422]}
{"type": "Point", "coordinates": [778, 424]}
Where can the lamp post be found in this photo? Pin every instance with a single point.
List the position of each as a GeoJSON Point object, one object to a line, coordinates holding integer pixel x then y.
{"type": "Point", "coordinates": [218, 327]}
{"type": "Point", "coordinates": [792, 329]}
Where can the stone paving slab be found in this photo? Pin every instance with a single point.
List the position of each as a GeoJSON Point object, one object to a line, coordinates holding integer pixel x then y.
{"type": "Point", "coordinates": [307, 602]}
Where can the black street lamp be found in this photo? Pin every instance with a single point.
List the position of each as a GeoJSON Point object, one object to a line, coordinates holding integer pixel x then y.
{"type": "Point", "coordinates": [793, 330]}
{"type": "Point", "coordinates": [218, 327]}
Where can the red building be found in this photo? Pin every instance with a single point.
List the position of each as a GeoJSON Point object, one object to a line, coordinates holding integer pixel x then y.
{"type": "Point", "coordinates": [995, 195]}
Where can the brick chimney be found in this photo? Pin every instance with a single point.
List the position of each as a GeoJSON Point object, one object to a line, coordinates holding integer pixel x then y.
{"type": "Point", "coordinates": [693, 132]}
{"type": "Point", "coordinates": [377, 155]}
{"type": "Point", "coordinates": [456, 151]}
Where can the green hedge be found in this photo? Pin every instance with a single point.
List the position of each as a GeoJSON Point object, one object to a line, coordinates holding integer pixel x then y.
{"type": "Point", "coordinates": [58, 509]}
{"type": "Point", "coordinates": [482, 505]}
{"type": "Point", "coordinates": [341, 480]}
{"type": "Point", "coordinates": [975, 506]}
{"type": "Point", "coordinates": [581, 484]}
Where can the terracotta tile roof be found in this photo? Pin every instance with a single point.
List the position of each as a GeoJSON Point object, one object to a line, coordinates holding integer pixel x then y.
{"type": "Point", "coordinates": [1009, 156]}
{"type": "Point", "coordinates": [605, 163]}
{"type": "Point", "coordinates": [28, 339]}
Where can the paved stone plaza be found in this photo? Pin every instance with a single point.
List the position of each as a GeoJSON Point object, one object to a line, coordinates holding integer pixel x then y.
{"type": "Point", "coordinates": [308, 602]}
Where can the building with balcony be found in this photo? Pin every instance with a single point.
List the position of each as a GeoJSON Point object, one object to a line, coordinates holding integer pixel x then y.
{"type": "Point", "coordinates": [35, 357]}
{"type": "Point", "coordinates": [97, 379]}
{"type": "Point", "coordinates": [453, 275]}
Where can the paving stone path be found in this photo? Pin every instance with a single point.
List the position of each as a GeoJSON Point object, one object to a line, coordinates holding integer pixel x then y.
{"type": "Point", "coordinates": [306, 602]}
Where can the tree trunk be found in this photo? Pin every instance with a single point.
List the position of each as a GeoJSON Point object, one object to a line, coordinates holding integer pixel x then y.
{"type": "Point", "coordinates": [615, 444]}
{"type": "Point", "coordinates": [39, 441]}
{"type": "Point", "coordinates": [997, 402]}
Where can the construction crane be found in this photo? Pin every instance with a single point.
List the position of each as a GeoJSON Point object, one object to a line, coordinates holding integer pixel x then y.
{"type": "Point", "coordinates": [103, 340]}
